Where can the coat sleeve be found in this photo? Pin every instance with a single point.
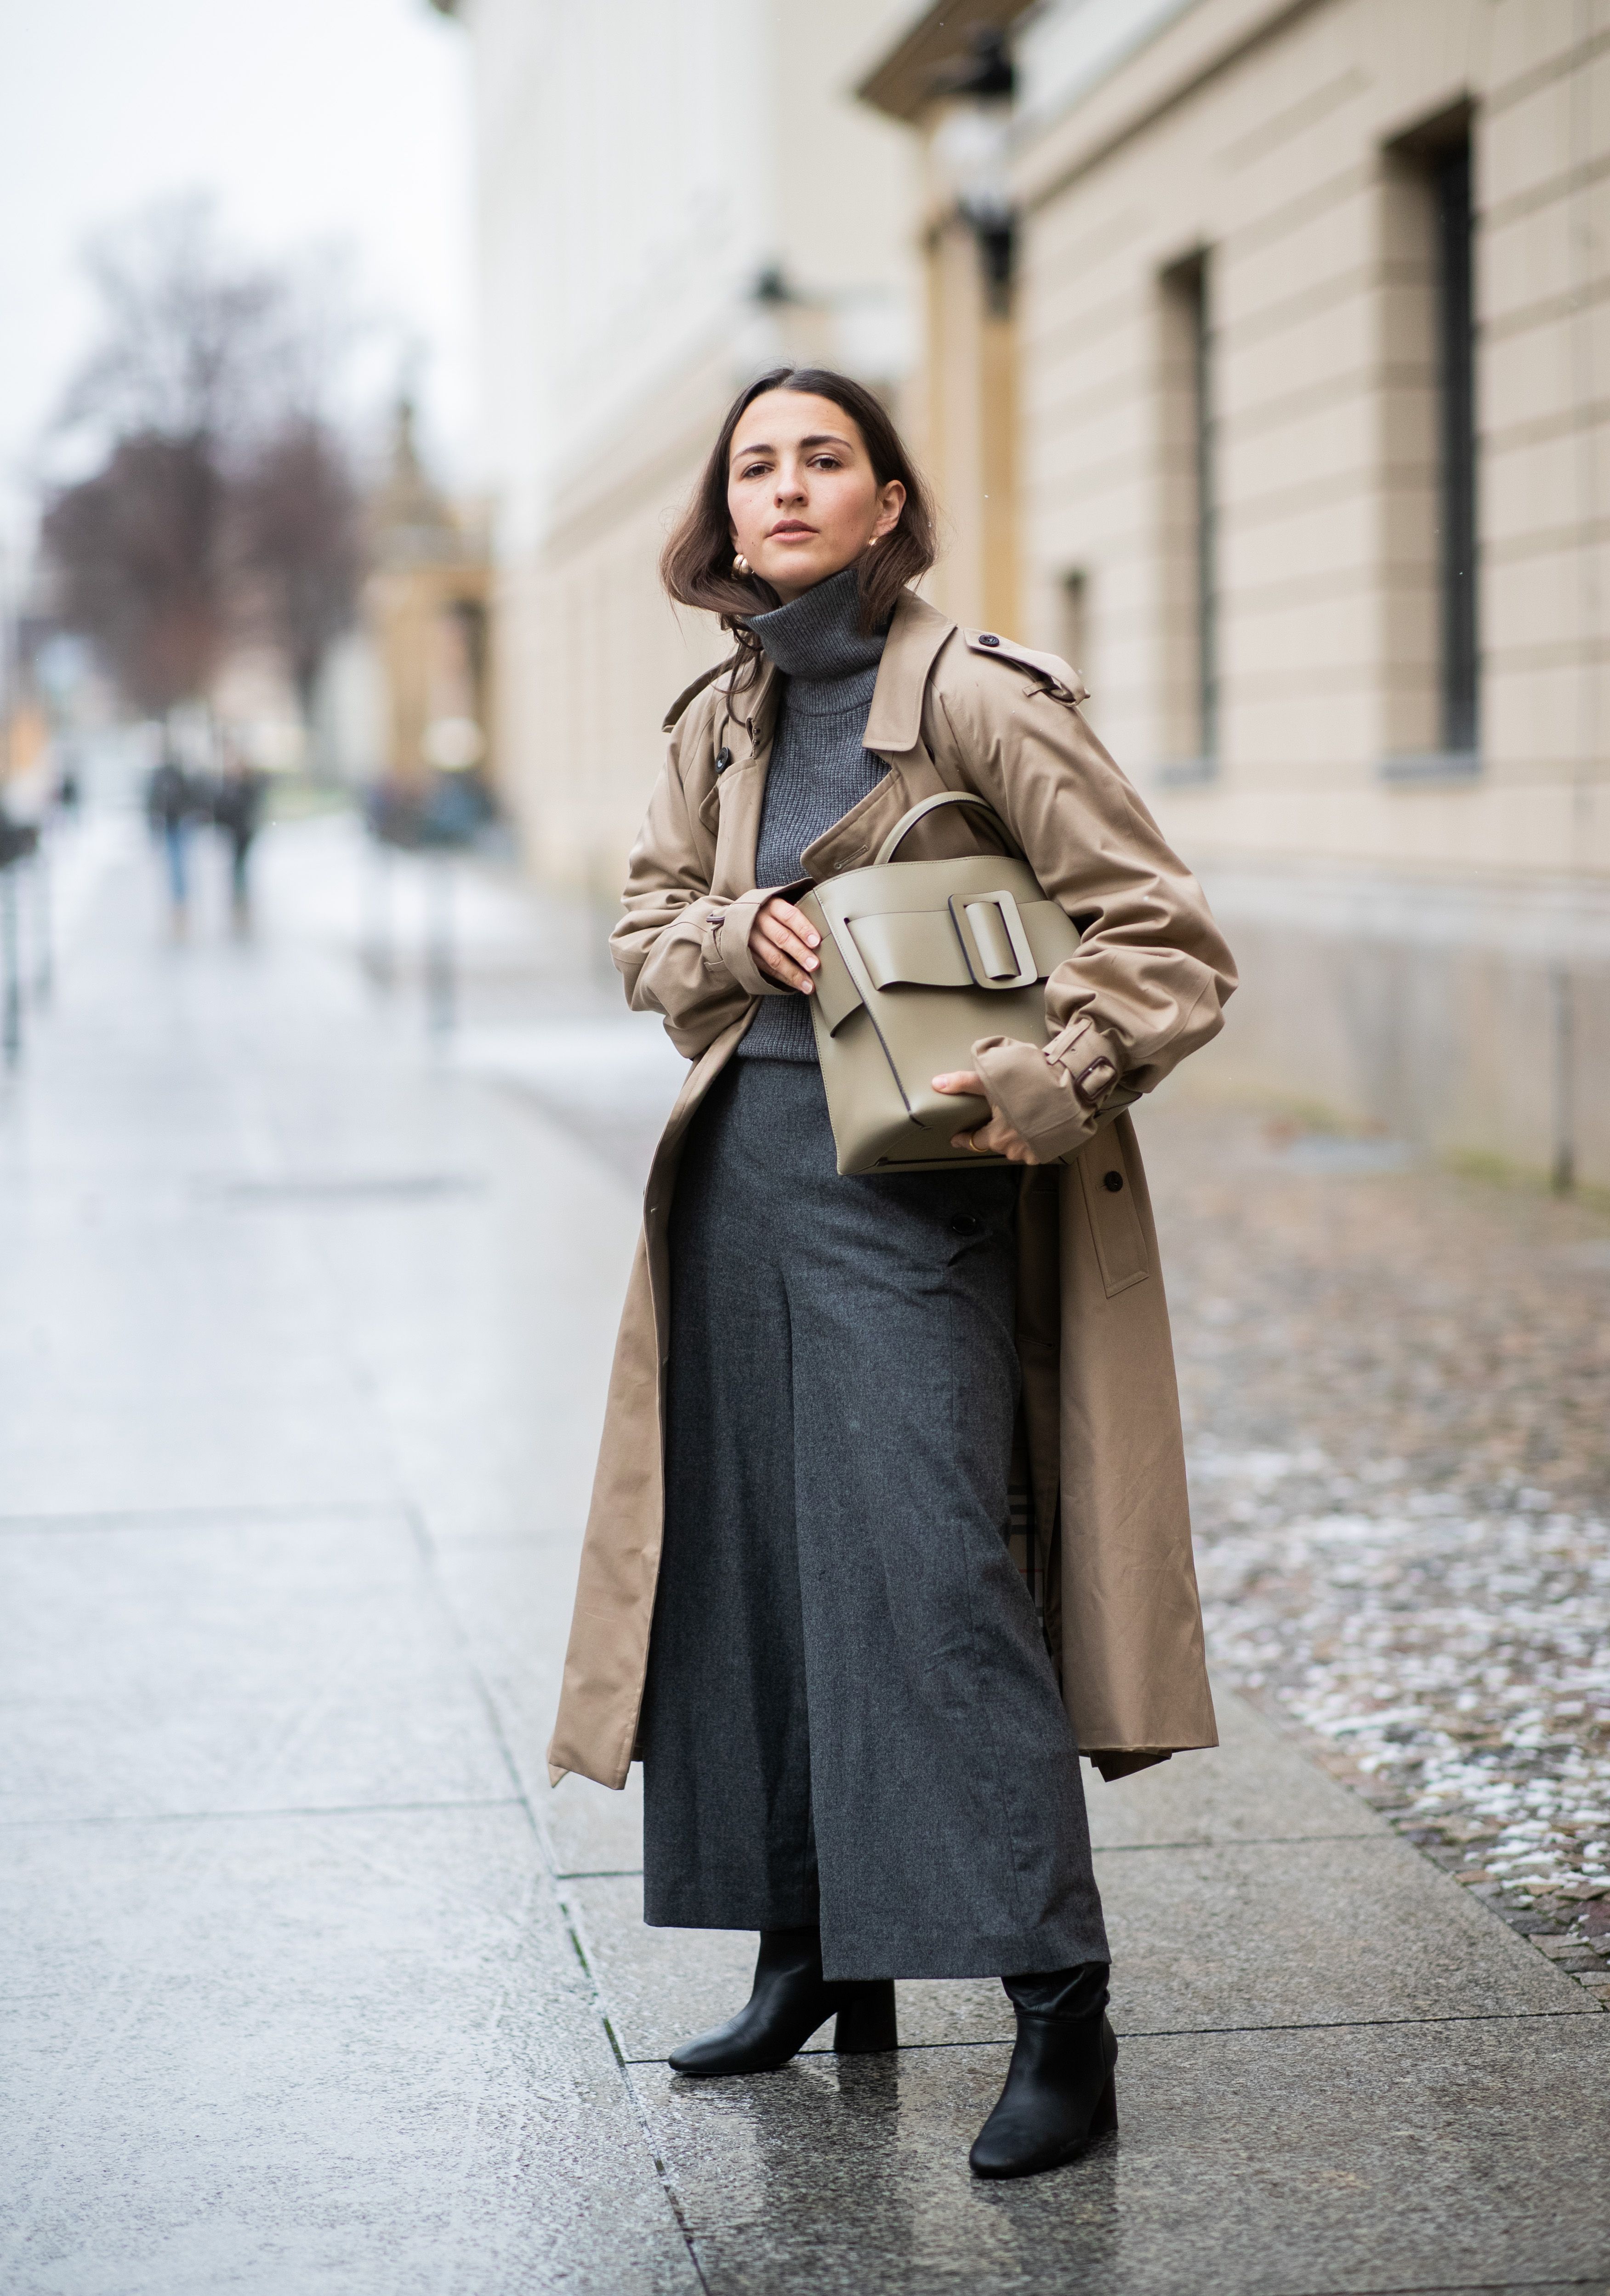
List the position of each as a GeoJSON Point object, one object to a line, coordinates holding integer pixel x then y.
{"type": "Point", "coordinates": [682, 952]}
{"type": "Point", "coordinates": [1152, 973]}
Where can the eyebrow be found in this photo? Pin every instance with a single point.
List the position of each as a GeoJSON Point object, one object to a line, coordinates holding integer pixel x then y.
{"type": "Point", "coordinates": [816, 439]}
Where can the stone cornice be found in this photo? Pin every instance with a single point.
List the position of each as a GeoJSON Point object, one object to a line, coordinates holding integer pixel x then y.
{"type": "Point", "coordinates": [904, 81]}
{"type": "Point", "coordinates": [1183, 58]}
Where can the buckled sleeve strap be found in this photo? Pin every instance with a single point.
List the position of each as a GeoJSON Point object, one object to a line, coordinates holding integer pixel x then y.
{"type": "Point", "coordinates": [1092, 1059]}
{"type": "Point", "coordinates": [1050, 1098]}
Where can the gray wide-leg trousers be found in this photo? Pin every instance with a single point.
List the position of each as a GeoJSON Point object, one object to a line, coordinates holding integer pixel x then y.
{"type": "Point", "coordinates": [850, 1717]}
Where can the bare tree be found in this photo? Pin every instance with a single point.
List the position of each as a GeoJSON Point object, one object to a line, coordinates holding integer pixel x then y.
{"type": "Point", "coordinates": [187, 329]}
{"type": "Point", "coordinates": [136, 551]}
{"type": "Point", "coordinates": [223, 502]}
{"type": "Point", "coordinates": [298, 533]}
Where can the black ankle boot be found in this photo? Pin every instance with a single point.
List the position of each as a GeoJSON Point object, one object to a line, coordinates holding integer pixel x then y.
{"type": "Point", "coordinates": [790, 2001]}
{"type": "Point", "coordinates": [1059, 2095]}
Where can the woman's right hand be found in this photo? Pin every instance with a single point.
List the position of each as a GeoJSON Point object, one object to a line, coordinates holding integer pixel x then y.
{"type": "Point", "coordinates": [784, 942]}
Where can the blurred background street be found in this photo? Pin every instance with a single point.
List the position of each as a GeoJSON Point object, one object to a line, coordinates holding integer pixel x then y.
{"type": "Point", "coordinates": [356, 363]}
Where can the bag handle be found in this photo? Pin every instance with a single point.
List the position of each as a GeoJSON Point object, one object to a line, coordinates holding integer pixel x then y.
{"type": "Point", "coordinates": [930, 805]}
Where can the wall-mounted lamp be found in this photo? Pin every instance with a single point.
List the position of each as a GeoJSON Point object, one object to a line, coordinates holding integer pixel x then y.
{"type": "Point", "coordinates": [970, 151]}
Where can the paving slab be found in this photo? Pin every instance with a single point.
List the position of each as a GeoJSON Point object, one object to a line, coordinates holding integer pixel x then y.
{"type": "Point", "coordinates": [1253, 1786]}
{"type": "Point", "coordinates": [593, 1831]}
{"type": "Point", "coordinates": [207, 1450]}
{"type": "Point", "coordinates": [1310, 1932]}
{"type": "Point", "coordinates": [233, 1663]}
{"type": "Point", "coordinates": [511, 1601]}
{"type": "Point", "coordinates": [484, 1329]}
{"type": "Point", "coordinates": [1258, 2164]}
{"type": "Point", "coordinates": [1211, 1938]}
{"type": "Point", "coordinates": [293, 2054]}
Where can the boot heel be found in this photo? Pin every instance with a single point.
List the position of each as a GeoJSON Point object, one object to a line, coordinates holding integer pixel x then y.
{"type": "Point", "coordinates": [866, 2025]}
{"type": "Point", "coordinates": [1104, 2120]}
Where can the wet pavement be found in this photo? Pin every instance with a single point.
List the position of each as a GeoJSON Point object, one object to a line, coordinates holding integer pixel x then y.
{"type": "Point", "coordinates": [310, 1983]}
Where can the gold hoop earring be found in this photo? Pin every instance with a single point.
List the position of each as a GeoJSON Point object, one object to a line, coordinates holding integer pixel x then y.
{"type": "Point", "coordinates": [740, 564]}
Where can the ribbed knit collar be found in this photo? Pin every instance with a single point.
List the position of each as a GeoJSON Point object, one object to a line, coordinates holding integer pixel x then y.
{"type": "Point", "coordinates": [816, 637]}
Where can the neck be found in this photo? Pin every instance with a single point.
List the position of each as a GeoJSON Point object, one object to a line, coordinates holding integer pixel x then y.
{"type": "Point", "coordinates": [817, 635]}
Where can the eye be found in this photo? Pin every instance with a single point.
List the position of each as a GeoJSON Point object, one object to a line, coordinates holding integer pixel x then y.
{"type": "Point", "coordinates": [753, 471]}
{"type": "Point", "coordinates": [828, 462]}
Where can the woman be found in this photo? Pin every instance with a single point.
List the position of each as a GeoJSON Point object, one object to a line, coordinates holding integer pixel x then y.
{"type": "Point", "coordinates": [827, 1390]}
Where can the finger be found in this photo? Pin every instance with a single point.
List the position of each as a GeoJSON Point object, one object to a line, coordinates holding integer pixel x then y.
{"type": "Point", "coordinates": [780, 936]}
{"type": "Point", "coordinates": [794, 919]}
{"type": "Point", "coordinates": [790, 954]}
{"type": "Point", "coordinates": [784, 969]}
{"type": "Point", "coordinates": [995, 1138]}
{"type": "Point", "coordinates": [961, 1081]}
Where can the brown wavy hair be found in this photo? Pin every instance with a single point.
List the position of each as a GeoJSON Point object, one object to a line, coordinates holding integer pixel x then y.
{"type": "Point", "coordinates": [696, 566]}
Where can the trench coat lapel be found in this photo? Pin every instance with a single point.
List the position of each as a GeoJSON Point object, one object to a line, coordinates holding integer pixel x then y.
{"type": "Point", "coordinates": [745, 732]}
{"type": "Point", "coordinates": [894, 732]}
{"type": "Point", "coordinates": [894, 724]}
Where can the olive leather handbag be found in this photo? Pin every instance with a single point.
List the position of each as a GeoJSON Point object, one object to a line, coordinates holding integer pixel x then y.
{"type": "Point", "coordinates": [919, 959]}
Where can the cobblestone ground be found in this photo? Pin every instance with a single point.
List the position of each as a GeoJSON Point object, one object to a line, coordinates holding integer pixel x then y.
{"type": "Point", "coordinates": [1397, 1394]}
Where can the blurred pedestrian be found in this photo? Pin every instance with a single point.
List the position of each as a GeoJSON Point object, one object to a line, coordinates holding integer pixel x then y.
{"type": "Point", "coordinates": [798, 1602]}
{"type": "Point", "coordinates": [69, 790]}
{"type": "Point", "coordinates": [237, 805]}
{"type": "Point", "coordinates": [172, 801]}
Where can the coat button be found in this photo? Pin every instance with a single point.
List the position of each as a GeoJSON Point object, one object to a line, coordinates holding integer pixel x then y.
{"type": "Point", "coordinates": [723, 759]}
{"type": "Point", "coordinates": [966, 1224]}
{"type": "Point", "coordinates": [1113, 1182]}
{"type": "Point", "coordinates": [988, 637]}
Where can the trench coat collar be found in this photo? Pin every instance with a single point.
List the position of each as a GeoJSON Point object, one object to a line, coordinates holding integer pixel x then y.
{"type": "Point", "coordinates": [893, 732]}
{"type": "Point", "coordinates": [894, 724]}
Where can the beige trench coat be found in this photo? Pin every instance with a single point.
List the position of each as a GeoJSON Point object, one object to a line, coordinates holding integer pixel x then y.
{"type": "Point", "coordinates": [951, 710]}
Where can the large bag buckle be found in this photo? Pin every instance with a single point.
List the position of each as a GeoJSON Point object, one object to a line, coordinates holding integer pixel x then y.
{"type": "Point", "coordinates": [994, 940]}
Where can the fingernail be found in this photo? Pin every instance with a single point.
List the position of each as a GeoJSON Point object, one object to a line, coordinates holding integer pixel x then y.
{"type": "Point", "coordinates": [813, 960]}
{"type": "Point", "coordinates": [816, 940]}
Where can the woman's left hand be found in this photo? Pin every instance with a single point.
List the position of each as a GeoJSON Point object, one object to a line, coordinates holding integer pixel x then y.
{"type": "Point", "coordinates": [997, 1138]}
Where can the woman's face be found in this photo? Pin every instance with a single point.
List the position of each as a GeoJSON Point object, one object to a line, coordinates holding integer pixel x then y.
{"type": "Point", "coordinates": [801, 492]}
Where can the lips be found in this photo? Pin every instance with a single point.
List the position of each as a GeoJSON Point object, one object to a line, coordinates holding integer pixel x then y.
{"type": "Point", "coordinates": [790, 532]}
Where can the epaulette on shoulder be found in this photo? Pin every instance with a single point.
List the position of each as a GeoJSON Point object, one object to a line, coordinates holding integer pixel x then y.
{"type": "Point", "coordinates": [692, 693]}
{"type": "Point", "coordinates": [1051, 673]}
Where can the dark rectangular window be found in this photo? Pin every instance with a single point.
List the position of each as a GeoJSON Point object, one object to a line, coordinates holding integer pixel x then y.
{"type": "Point", "coordinates": [1207, 515]}
{"type": "Point", "coordinates": [1075, 633]}
{"type": "Point", "coordinates": [1455, 447]}
{"type": "Point", "coordinates": [1190, 589]}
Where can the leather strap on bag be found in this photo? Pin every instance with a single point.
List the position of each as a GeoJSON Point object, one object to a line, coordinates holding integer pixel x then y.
{"type": "Point", "coordinates": [930, 804]}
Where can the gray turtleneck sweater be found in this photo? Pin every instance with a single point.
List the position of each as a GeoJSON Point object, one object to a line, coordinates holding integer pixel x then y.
{"type": "Point", "coordinates": [819, 768]}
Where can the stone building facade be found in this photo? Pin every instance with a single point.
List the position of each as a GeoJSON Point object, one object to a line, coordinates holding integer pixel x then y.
{"type": "Point", "coordinates": [1261, 352]}
{"type": "Point", "coordinates": [672, 198]}
{"type": "Point", "coordinates": [425, 625]}
{"type": "Point", "coordinates": [1310, 402]}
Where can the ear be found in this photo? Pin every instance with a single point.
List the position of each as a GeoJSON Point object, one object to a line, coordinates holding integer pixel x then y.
{"type": "Point", "coordinates": [891, 502]}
